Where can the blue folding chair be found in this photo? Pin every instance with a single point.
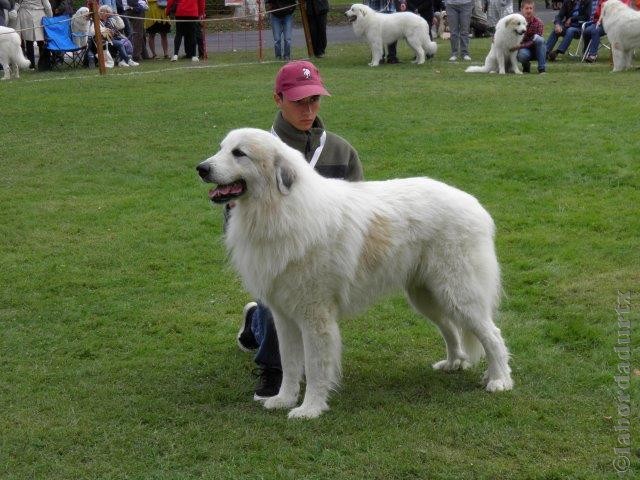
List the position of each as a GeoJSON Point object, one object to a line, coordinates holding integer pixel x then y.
{"type": "Point", "coordinates": [59, 40]}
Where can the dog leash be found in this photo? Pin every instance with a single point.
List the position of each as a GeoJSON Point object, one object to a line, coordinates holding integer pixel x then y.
{"type": "Point", "coordinates": [317, 151]}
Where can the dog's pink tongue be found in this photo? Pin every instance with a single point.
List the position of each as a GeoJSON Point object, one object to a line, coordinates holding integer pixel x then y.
{"type": "Point", "coordinates": [225, 191]}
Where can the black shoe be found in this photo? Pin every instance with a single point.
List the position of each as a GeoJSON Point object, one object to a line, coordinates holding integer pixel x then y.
{"type": "Point", "coordinates": [268, 383]}
{"type": "Point", "coordinates": [392, 60]}
{"type": "Point", "coordinates": [246, 340]}
{"type": "Point", "coordinates": [526, 67]}
{"type": "Point", "coordinates": [553, 54]}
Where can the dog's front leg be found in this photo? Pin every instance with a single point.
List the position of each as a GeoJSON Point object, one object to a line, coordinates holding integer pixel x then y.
{"type": "Point", "coordinates": [501, 65]}
{"type": "Point", "coordinates": [376, 53]}
{"type": "Point", "coordinates": [513, 58]}
{"type": "Point", "coordinates": [322, 351]}
{"type": "Point", "coordinates": [291, 358]}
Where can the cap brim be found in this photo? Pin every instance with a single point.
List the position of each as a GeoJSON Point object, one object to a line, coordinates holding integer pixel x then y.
{"type": "Point", "coordinates": [304, 91]}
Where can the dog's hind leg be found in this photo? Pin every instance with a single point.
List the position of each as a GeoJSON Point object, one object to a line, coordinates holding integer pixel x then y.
{"type": "Point", "coordinates": [322, 351]}
{"type": "Point", "coordinates": [6, 68]}
{"type": "Point", "coordinates": [291, 357]}
{"type": "Point", "coordinates": [425, 303]}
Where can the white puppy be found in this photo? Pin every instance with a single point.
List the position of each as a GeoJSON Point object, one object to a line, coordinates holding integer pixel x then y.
{"type": "Point", "coordinates": [81, 26]}
{"type": "Point", "coordinates": [11, 56]}
{"type": "Point", "coordinates": [381, 29]}
{"type": "Point", "coordinates": [501, 59]}
{"type": "Point", "coordinates": [622, 25]}
{"type": "Point", "coordinates": [316, 249]}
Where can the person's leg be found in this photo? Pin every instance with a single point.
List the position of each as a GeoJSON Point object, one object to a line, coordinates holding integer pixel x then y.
{"type": "Point", "coordinates": [453, 17]}
{"type": "Point", "coordinates": [268, 354]}
{"type": "Point", "coordinates": [30, 53]}
{"type": "Point", "coordinates": [595, 33]}
{"type": "Point", "coordinates": [164, 41]}
{"type": "Point", "coordinates": [177, 40]}
{"type": "Point", "coordinates": [540, 50]}
{"type": "Point", "coordinates": [465, 23]}
{"type": "Point", "coordinates": [277, 25]}
{"type": "Point", "coordinates": [190, 39]}
{"type": "Point", "coordinates": [524, 57]}
{"type": "Point", "coordinates": [322, 33]}
{"type": "Point", "coordinates": [569, 35]}
{"type": "Point", "coordinates": [151, 38]}
{"type": "Point", "coordinates": [552, 40]}
{"type": "Point", "coordinates": [287, 32]}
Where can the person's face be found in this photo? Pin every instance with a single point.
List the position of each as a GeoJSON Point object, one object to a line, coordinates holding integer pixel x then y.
{"type": "Point", "coordinates": [527, 11]}
{"type": "Point", "coordinates": [300, 113]}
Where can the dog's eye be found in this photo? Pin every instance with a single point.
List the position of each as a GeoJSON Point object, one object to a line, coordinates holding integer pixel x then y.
{"type": "Point", "coordinates": [236, 152]}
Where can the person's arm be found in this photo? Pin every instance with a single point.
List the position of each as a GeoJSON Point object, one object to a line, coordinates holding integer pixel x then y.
{"type": "Point", "coordinates": [354, 170]}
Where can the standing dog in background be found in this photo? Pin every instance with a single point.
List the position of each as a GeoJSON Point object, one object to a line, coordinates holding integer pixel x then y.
{"type": "Point", "coordinates": [318, 249]}
{"type": "Point", "coordinates": [622, 25]}
{"type": "Point", "coordinates": [501, 59]}
{"type": "Point", "coordinates": [11, 56]}
{"type": "Point", "coordinates": [380, 29]}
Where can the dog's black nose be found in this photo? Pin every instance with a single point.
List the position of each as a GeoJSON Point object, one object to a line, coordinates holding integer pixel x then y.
{"type": "Point", "coordinates": [203, 170]}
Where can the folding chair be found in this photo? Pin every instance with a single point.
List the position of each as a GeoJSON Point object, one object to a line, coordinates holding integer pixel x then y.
{"type": "Point", "coordinates": [577, 52]}
{"type": "Point", "coordinates": [603, 44]}
{"type": "Point", "coordinates": [59, 39]}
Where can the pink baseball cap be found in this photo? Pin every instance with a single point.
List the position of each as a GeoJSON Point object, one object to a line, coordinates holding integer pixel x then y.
{"type": "Point", "coordinates": [299, 79]}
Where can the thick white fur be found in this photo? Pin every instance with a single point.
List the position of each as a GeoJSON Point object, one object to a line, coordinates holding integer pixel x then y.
{"type": "Point", "coordinates": [509, 33]}
{"type": "Point", "coordinates": [318, 249]}
{"type": "Point", "coordinates": [622, 25]}
{"type": "Point", "coordinates": [81, 26]}
{"type": "Point", "coordinates": [381, 29]}
{"type": "Point", "coordinates": [11, 56]}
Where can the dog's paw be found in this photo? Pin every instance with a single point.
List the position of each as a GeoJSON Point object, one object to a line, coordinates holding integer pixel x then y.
{"type": "Point", "coordinates": [307, 412]}
{"type": "Point", "coordinates": [499, 385]}
{"type": "Point", "coordinates": [279, 402]}
{"type": "Point", "coordinates": [452, 365]}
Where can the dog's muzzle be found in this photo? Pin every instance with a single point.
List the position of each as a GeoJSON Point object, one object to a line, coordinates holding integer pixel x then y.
{"type": "Point", "coordinates": [223, 192]}
{"type": "Point", "coordinates": [351, 18]}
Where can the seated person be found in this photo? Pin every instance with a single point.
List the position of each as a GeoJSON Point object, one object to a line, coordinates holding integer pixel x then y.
{"type": "Point", "coordinates": [112, 28]}
{"type": "Point", "coordinates": [568, 24]}
{"type": "Point", "coordinates": [532, 45]}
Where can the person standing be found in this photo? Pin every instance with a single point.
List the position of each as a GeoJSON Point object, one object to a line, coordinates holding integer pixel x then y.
{"type": "Point", "coordinates": [281, 26]}
{"type": "Point", "coordinates": [297, 94]}
{"type": "Point", "coordinates": [30, 15]}
{"type": "Point", "coordinates": [317, 15]}
{"type": "Point", "coordinates": [156, 22]}
{"type": "Point", "coordinates": [187, 13]}
{"type": "Point", "coordinates": [459, 18]}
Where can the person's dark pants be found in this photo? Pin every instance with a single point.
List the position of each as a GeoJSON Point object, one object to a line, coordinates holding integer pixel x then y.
{"type": "Point", "coordinates": [318, 31]}
{"type": "Point", "coordinates": [264, 330]}
{"type": "Point", "coordinates": [188, 31]}
{"type": "Point", "coordinates": [137, 38]}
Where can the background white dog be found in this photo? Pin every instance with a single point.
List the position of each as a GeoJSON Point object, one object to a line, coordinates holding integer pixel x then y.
{"type": "Point", "coordinates": [381, 29]}
{"type": "Point", "coordinates": [81, 26]}
{"type": "Point", "coordinates": [509, 33]}
{"type": "Point", "coordinates": [318, 249]}
{"type": "Point", "coordinates": [622, 25]}
{"type": "Point", "coordinates": [11, 56]}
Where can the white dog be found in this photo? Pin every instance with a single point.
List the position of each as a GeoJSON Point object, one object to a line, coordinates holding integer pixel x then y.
{"type": "Point", "coordinates": [501, 59]}
{"type": "Point", "coordinates": [622, 25]}
{"type": "Point", "coordinates": [81, 26]}
{"type": "Point", "coordinates": [317, 249]}
{"type": "Point", "coordinates": [11, 56]}
{"type": "Point", "coordinates": [381, 29]}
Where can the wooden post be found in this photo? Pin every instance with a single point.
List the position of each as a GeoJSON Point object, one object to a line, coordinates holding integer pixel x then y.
{"type": "Point", "coordinates": [93, 6]}
{"type": "Point", "coordinates": [305, 27]}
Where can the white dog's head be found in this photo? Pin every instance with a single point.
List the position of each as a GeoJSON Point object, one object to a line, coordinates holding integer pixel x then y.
{"type": "Point", "coordinates": [357, 11]}
{"type": "Point", "coordinates": [250, 162]}
{"type": "Point", "coordinates": [516, 23]}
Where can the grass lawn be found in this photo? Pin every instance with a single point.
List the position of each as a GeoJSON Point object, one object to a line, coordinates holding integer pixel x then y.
{"type": "Point", "coordinates": [118, 309]}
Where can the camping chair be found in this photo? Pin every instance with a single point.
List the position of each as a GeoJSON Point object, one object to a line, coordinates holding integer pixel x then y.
{"type": "Point", "coordinates": [603, 44]}
{"type": "Point", "coordinates": [59, 39]}
{"type": "Point", "coordinates": [578, 53]}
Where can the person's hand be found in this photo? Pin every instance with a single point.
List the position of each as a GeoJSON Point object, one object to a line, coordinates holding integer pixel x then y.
{"type": "Point", "coordinates": [558, 28]}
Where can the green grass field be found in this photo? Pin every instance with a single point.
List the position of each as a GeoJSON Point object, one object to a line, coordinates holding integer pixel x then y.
{"type": "Point", "coordinates": [118, 308]}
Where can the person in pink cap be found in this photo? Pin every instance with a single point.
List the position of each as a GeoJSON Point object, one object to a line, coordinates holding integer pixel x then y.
{"type": "Point", "coordinates": [298, 92]}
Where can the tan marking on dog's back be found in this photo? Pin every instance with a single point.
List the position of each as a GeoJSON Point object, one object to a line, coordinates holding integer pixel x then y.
{"type": "Point", "coordinates": [377, 242]}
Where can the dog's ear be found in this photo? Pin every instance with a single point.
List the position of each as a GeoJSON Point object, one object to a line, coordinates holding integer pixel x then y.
{"type": "Point", "coordinates": [285, 175]}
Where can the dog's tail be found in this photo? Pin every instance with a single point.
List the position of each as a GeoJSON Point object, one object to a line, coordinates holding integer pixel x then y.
{"type": "Point", "coordinates": [477, 69]}
{"type": "Point", "coordinates": [21, 60]}
{"type": "Point", "coordinates": [430, 47]}
{"type": "Point", "coordinates": [472, 346]}
{"type": "Point", "coordinates": [18, 56]}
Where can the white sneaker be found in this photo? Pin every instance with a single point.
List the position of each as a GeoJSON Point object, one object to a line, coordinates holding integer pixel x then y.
{"type": "Point", "coordinates": [122, 63]}
{"type": "Point", "coordinates": [466, 58]}
{"type": "Point", "coordinates": [131, 63]}
{"type": "Point", "coordinates": [174, 58]}
{"type": "Point", "coordinates": [195, 59]}
{"type": "Point", "coordinates": [453, 58]}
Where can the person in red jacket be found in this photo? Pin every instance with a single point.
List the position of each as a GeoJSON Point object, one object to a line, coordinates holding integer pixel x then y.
{"type": "Point", "coordinates": [187, 13]}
